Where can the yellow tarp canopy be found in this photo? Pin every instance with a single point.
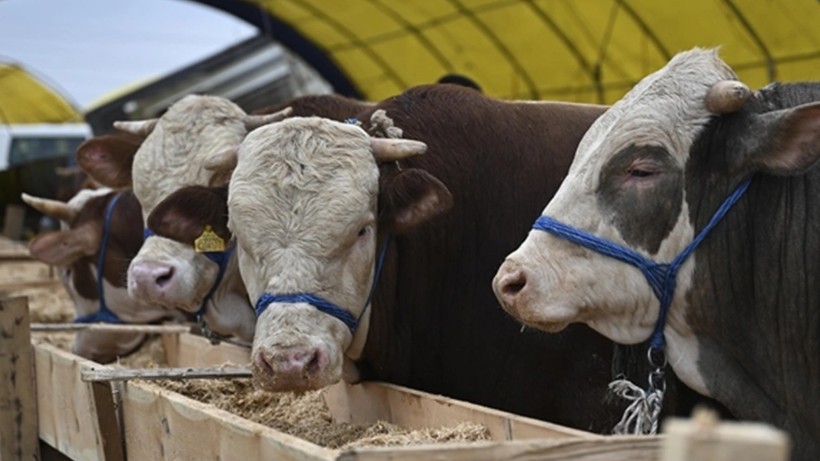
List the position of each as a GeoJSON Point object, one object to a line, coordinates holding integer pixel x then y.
{"type": "Point", "coordinates": [24, 99]}
{"type": "Point", "coordinates": [576, 50]}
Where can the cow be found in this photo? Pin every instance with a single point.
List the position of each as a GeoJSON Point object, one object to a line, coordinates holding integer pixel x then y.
{"type": "Point", "coordinates": [315, 204]}
{"type": "Point", "coordinates": [649, 185]}
{"type": "Point", "coordinates": [171, 178]}
{"type": "Point", "coordinates": [101, 233]}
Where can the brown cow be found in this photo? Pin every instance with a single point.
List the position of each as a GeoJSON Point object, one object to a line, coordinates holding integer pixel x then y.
{"type": "Point", "coordinates": [311, 209]}
{"type": "Point", "coordinates": [76, 250]}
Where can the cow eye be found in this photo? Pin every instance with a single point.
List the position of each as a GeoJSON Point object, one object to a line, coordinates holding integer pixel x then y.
{"type": "Point", "coordinates": [641, 173]}
{"type": "Point", "coordinates": [363, 231]}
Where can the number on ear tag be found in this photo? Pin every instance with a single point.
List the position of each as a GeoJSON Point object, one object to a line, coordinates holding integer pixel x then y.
{"type": "Point", "coordinates": [209, 242]}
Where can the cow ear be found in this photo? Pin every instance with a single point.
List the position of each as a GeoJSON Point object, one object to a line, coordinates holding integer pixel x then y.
{"type": "Point", "coordinates": [183, 215]}
{"type": "Point", "coordinates": [786, 142]}
{"type": "Point", "coordinates": [411, 198]}
{"type": "Point", "coordinates": [62, 248]}
{"type": "Point", "coordinates": [107, 159]}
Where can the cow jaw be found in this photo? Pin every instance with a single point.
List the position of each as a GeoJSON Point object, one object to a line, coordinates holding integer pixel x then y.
{"type": "Point", "coordinates": [171, 274]}
{"type": "Point", "coordinates": [298, 348]}
{"type": "Point", "coordinates": [549, 293]}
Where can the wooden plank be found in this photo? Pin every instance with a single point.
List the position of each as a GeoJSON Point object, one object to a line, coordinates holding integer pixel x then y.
{"type": "Point", "coordinates": [703, 437]}
{"type": "Point", "coordinates": [162, 425]}
{"type": "Point", "coordinates": [13, 221]}
{"type": "Point", "coordinates": [110, 327]}
{"type": "Point", "coordinates": [187, 350]}
{"type": "Point", "coordinates": [108, 422]}
{"type": "Point", "coordinates": [613, 448]}
{"type": "Point", "coordinates": [21, 256]}
{"type": "Point", "coordinates": [371, 401]}
{"type": "Point", "coordinates": [20, 285]}
{"type": "Point", "coordinates": [66, 407]}
{"type": "Point", "coordinates": [18, 398]}
{"type": "Point", "coordinates": [125, 374]}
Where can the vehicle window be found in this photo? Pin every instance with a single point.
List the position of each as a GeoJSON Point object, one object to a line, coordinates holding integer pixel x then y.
{"type": "Point", "coordinates": [29, 149]}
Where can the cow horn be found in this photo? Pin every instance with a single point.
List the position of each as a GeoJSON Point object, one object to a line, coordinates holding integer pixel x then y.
{"type": "Point", "coordinates": [253, 122]}
{"type": "Point", "coordinates": [54, 208]}
{"type": "Point", "coordinates": [138, 127]}
{"type": "Point", "coordinates": [389, 150]}
{"type": "Point", "coordinates": [223, 161]}
{"type": "Point", "coordinates": [727, 96]}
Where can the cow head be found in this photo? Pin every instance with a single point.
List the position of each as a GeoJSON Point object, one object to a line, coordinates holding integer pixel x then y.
{"type": "Point", "coordinates": [307, 210]}
{"type": "Point", "coordinates": [75, 250]}
{"type": "Point", "coordinates": [175, 152]}
{"type": "Point", "coordinates": [638, 180]}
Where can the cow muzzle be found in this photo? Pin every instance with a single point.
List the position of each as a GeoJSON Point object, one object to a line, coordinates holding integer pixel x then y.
{"type": "Point", "coordinates": [296, 368]}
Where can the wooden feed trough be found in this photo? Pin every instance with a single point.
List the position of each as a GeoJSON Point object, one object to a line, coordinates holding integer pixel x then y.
{"type": "Point", "coordinates": [139, 420]}
{"type": "Point", "coordinates": [79, 419]}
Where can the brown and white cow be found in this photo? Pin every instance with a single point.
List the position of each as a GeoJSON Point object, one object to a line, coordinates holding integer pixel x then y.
{"type": "Point", "coordinates": [744, 321]}
{"type": "Point", "coordinates": [180, 195]}
{"type": "Point", "coordinates": [312, 203]}
{"type": "Point", "coordinates": [76, 250]}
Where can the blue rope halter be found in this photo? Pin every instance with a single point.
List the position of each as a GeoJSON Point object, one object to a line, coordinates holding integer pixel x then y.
{"type": "Point", "coordinates": [323, 304]}
{"type": "Point", "coordinates": [105, 314]}
{"type": "Point", "coordinates": [642, 415]}
{"type": "Point", "coordinates": [221, 258]}
{"type": "Point", "coordinates": [662, 277]}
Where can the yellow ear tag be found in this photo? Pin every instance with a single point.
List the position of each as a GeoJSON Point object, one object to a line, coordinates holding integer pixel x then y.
{"type": "Point", "coordinates": [209, 242]}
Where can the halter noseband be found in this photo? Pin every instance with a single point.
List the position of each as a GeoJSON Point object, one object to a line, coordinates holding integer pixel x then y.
{"type": "Point", "coordinates": [104, 314]}
{"type": "Point", "coordinates": [323, 304]}
{"type": "Point", "coordinates": [642, 415]}
{"type": "Point", "coordinates": [662, 277]}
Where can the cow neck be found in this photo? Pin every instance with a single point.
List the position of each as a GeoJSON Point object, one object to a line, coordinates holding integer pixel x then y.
{"type": "Point", "coordinates": [662, 277]}
{"type": "Point", "coordinates": [104, 314]}
{"type": "Point", "coordinates": [324, 305]}
{"type": "Point", "coordinates": [221, 258]}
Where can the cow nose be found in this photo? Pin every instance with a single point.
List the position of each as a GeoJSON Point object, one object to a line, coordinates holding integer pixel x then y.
{"type": "Point", "coordinates": [151, 278]}
{"type": "Point", "coordinates": [509, 285]}
{"type": "Point", "coordinates": [292, 366]}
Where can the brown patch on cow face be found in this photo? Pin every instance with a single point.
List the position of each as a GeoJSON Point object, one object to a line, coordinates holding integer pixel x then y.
{"type": "Point", "coordinates": [108, 158]}
{"type": "Point", "coordinates": [78, 247]}
{"type": "Point", "coordinates": [83, 280]}
{"type": "Point", "coordinates": [411, 198]}
{"type": "Point", "coordinates": [63, 248]}
{"type": "Point", "coordinates": [183, 215]}
{"type": "Point", "coordinates": [641, 193]}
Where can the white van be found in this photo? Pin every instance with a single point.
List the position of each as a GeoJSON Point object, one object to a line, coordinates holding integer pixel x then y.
{"type": "Point", "coordinates": [28, 143]}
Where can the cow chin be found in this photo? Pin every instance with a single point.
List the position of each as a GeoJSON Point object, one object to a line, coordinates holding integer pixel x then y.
{"type": "Point", "coordinates": [297, 348]}
{"type": "Point", "coordinates": [550, 319]}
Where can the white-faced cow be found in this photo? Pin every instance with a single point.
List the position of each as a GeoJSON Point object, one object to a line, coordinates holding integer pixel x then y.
{"type": "Point", "coordinates": [649, 177]}
{"type": "Point", "coordinates": [315, 205]}
{"type": "Point", "coordinates": [101, 233]}
{"type": "Point", "coordinates": [183, 199]}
